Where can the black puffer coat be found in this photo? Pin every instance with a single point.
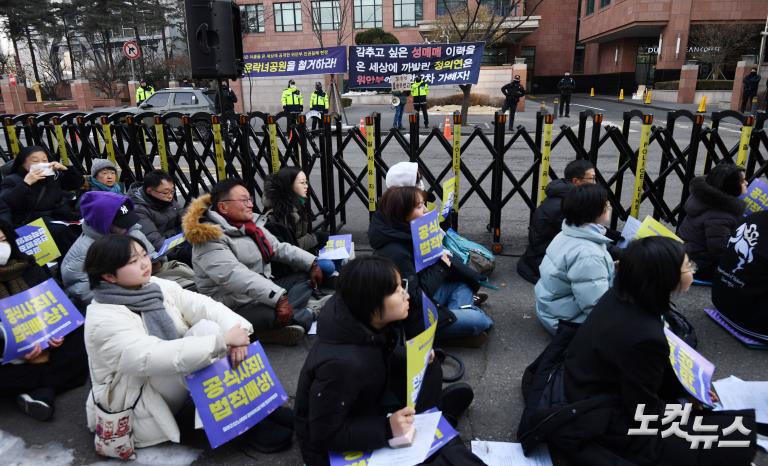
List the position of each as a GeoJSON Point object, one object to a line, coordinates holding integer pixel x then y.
{"type": "Point", "coordinates": [395, 243]}
{"type": "Point", "coordinates": [711, 216]}
{"type": "Point", "coordinates": [545, 225]}
{"type": "Point", "coordinates": [159, 220]}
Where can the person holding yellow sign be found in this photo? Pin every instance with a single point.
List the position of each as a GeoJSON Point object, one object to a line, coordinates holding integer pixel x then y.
{"type": "Point", "coordinates": [577, 268]}
{"type": "Point", "coordinates": [711, 213]}
{"type": "Point", "coordinates": [355, 374]}
{"type": "Point", "coordinates": [43, 373]}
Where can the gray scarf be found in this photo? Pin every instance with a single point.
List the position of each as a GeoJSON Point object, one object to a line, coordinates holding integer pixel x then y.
{"type": "Point", "coordinates": [147, 301]}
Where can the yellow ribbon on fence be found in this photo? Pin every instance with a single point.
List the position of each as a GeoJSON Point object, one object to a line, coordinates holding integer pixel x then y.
{"type": "Point", "coordinates": [642, 156]}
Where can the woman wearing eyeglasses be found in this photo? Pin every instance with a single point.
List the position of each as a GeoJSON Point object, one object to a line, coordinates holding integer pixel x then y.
{"type": "Point", "coordinates": [355, 374]}
{"type": "Point", "coordinates": [286, 200]}
{"type": "Point", "coordinates": [592, 384]}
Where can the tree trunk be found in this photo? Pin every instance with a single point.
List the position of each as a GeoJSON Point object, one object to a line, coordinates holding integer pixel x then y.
{"type": "Point", "coordinates": [71, 57]}
{"type": "Point", "coordinates": [32, 53]}
{"type": "Point", "coordinates": [16, 58]}
{"type": "Point", "coordinates": [466, 89]}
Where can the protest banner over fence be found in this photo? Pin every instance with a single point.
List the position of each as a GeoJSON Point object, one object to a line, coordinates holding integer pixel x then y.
{"type": "Point", "coordinates": [440, 64]}
{"type": "Point", "coordinates": [36, 315]}
{"type": "Point", "coordinates": [326, 60]}
{"type": "Point", "coordinates": [231, 401]}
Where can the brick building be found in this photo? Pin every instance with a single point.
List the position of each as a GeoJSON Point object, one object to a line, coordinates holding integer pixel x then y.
{"type": "Point", "coordinates": [623, 43]}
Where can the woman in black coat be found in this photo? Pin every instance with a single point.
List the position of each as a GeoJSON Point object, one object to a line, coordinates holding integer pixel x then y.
{"type": "Point", "coordinates": [41, 192]}
{"type": "Point", "coordinates": [711, 213]}
{"type": "Point", "coordinates": [355, 374]}
{"type": "Point", "coordinates": [35, 380]}
{"type": "Point", "coordinates": [449, 284]}
{"type": "Point", "coordinates": [619, 358]}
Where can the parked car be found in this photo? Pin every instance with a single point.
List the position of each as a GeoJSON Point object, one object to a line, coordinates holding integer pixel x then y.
{"type": "Point", "coordinates": [188, 100]}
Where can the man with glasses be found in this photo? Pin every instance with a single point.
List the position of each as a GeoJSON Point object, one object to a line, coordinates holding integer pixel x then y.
{"type": "Point", "coordinates": [232, 254]}
{"type": "Point", "coordinates": [160, 212]}
{"type": "Point", "coordinates": [547, 220]}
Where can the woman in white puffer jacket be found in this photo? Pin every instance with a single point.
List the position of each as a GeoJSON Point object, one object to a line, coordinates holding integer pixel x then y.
{"type": "Point", "coordinates": [143, 331]}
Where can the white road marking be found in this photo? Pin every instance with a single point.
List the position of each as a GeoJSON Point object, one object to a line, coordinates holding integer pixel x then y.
{"type": "Point", "coordinates": [587, 106]}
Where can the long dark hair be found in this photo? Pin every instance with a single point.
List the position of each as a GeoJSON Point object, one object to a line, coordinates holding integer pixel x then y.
{"type": "Point", "coordinates": [649, 271]}
{"type": "Point", "coordinates": [278, 191]}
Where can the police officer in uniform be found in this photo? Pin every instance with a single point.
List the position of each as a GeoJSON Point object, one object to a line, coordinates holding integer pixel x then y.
{"type": "Point", "coordinates": [420, 91]}
{"type": "Point", "coordinates": [512, 93]}
{"type": "Point", "coordinates": [292, 100]}
{"type": "Point", "coordinates": [143, 92]}
{"type": "Point", "coordinates": [318, 101]}
{"type": "Point", "coordinates": [566, 87]}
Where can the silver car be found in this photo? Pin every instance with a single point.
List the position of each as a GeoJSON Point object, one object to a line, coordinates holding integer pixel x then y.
{"type": "Point", "coordinates": [186, 100]}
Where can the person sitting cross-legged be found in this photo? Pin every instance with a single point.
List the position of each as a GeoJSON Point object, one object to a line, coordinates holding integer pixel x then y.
{"type": "Point", "coordinates": [232, 255]}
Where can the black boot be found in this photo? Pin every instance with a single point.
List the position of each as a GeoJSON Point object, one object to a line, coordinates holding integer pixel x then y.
{"type": "Point", "coordinates": [454, 400]}
{"type": "Point", "coordinates": [273, 434]}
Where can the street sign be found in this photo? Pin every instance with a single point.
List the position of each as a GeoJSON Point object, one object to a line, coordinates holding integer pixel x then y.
{"type": "Point", "coordinates": [131, 50]}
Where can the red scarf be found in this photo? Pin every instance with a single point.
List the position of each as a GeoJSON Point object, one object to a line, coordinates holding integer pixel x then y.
{"type": "Point", "coordinates": [258, 237]}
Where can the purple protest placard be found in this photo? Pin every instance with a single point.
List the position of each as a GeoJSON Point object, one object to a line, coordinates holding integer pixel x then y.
{"type": "Point", "coordinates": [728, 326]}
{"type": "Point", "coordinates": [337, 247]}
{"type": "Point", "coordinates": [35, 316]}
{"type": "Point", "coordinates": [325, 60]}
{"type": "Point", "coordinates": [691, 368]}
{"type": "Point", "coordinates": [444, 433]}
{"type": "Point", "coordinates": [427, 240]}
{"type": "Point", "coordinates": [231, 401]}
{"type": "Point", "coordinates": [429, 310]}
{"type": "Point", "coordinates": [756, 197]}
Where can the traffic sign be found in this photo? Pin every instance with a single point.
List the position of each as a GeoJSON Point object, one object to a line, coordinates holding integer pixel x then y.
{"type": "Point", "coordinates": [131, 50]}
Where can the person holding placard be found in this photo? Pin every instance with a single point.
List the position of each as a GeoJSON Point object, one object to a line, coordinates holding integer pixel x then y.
{"type": "Point", "coordinates": [449, 283]}
{"type": "Point", "coordinates": [740, 284]}
{"type": "Point", "coordinates": [616, 365]}
{"type": "Point", "coordinates": [577, 268]}
{"type": "Point", "coordinates": [42, 374]}
{"type": "Point", "coordinates": [37, 188]}
{"type": "Point", "coordinates": [143, 334]}
{"type": "Point", "coordinates": [355, 374]}
{"type": "Point", "coordinates": [711, 213]}
{"type": "Point", "coordinates": [286, 201]}
{"type": "Point", "coordinates": [160, 212]}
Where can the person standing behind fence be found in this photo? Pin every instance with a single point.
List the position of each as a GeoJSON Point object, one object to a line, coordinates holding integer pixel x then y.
{"type": "Point", "coordinates": [420, 92]}
{"type": "Point", "coordinates": [566, 86]}
{"type": "Point", "coordinates": [402, 97]}
{"type": "Point", "coordinates": [711, 213]}
{"type": "Point", "coordinates": [513, 92]}
{"type": "Point", "coordinates": [547, 220]}
{"type": "Point", "coordinates": [292, 100]}
{"type": "Point", "coordinates": [577, 268]}
{"type": "Point", "coordinates": [143, 92]}
{"type": "Point", "coordinates": [318, 102]}
{"type": "Point", "coordinates": [751, 83]}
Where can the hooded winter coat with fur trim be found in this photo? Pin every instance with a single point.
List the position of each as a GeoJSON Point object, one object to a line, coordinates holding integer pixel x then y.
{"type": "Point", "coordinates": [227, 262]}
{"type": "Point", "coordinates": [711, 216]}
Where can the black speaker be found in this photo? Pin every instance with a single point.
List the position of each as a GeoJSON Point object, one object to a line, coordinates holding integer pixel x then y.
{"type": "Point", "coordinates": [214, 39]}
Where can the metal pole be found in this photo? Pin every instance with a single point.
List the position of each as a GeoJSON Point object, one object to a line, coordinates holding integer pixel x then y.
{"type": "Point", "coordinates": [764, 35]}
{"type": "Point", "coordinates": [133, 76]}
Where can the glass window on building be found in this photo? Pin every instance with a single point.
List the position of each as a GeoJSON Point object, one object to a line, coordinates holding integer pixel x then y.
{"type": "Point", "coordinates": [326, 14]}
{"type": "Point", "coordinates": [287, 17]}
{"type": "Point", "coordinates": [495, 55]}
{"type": "Point", "coordinates": [408, 12]}
{"type": "Point", "coordinates": [498, 7]}
{"type": "Point", "coordinates": [454, 6]}
{"type": "Point", "coordinates": [252, 18]}
{"type": "Point", "coordinates": [368, 14]}
{"type": "Point", "coordinates": [590, 7]}
{"type": "Point", "coordinates": [604, 3]}
{"type": "Point", "coordinates": [578, 59]}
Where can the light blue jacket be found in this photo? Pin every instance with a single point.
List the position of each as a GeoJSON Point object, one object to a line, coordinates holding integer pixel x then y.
{"type": "Point", "coordinates": [577, 269]}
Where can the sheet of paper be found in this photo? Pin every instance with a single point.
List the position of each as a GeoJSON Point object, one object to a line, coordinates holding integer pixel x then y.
{"type": "Point", "coordinates": [735, 393]}
{"type": "Point", "coordinates": [629, 231]}
{"type": "Point", "coordinates": [313, 329]}
{"type": "Point", "coordinates": [509, 454]}
{"type": "Point", "coordinates": [334, 254]}
{"type": "Point", "coordinates": [425, 425]}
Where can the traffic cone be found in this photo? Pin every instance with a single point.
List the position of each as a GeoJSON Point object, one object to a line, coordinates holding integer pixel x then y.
{"type": "Point", "coordinates": [362, 126]}
{"type": "Point", "coordinates": [621, 95]}
{"type": "Point", "coordinates": [591, 91]}
{"type": "Point", "coordinates": [447, 129]}
{"type": "Point", "coordinates": [648, 96]}
{"type": "Point", "coordinates": [702, 105]}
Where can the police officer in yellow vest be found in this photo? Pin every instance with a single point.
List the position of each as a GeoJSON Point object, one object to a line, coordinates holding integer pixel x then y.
{"type": "Point", "coordinates": [143, 92]}
{"type": "Point", "coordinates": [318, 101]}
{"type": "Point", "coordinates": [292, 100]}
{"type": "Point", "coordinates": [420, 91]}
